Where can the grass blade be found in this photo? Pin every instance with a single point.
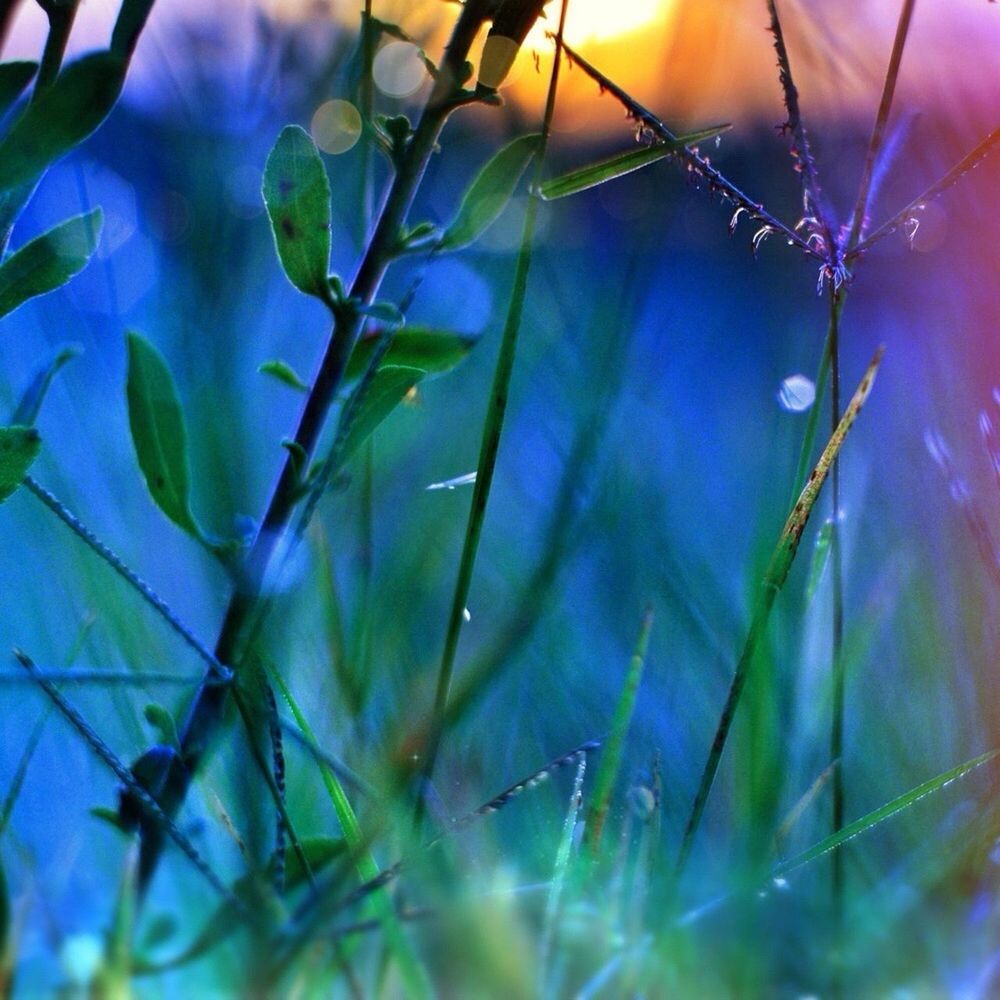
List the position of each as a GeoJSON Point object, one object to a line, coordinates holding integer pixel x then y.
{"type": "Point", "coordinates": [622, 164]}
{"type": "Point", "coordinates": [611, 760]}
{"type": "Point", "coordinates": [774, 579]}
{"type": "Point", "coordinates": [880, 815]}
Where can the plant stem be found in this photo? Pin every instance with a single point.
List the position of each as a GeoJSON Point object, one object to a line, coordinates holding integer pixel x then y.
{"type": "Point", "coordinates": [490, 443]}
{"type": "Point", "coordinates": [837, 299]}
{"type": "Point", "coordinates": [205, 715]}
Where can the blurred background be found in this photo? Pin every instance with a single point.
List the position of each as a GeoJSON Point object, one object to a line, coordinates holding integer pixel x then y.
{"type": "Point", "coordinates": [648, 455]}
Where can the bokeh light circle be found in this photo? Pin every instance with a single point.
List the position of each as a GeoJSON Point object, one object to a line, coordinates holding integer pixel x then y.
{"type": "Point", "coordinates": [398, 70]}
{"type": "Point", "coordinates": [336, 126]}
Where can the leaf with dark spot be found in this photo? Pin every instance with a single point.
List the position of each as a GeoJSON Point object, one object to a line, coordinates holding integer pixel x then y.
{"type": "Point", "coordinates": [297, 195]}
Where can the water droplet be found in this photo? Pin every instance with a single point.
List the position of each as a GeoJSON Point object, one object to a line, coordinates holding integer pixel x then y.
{"type": "Point", "coordinates": [467, 614]}
{"type": "Point", "coordinates": [797, 393]}
{"type": "Point", "coordinates": [779, 883]}
{"type": "Point", "coordinates": [80, 957]}
{"type": "Point", "coordinates": [449, 484]}
{"type": "Point", "coordinates": [937, 449]}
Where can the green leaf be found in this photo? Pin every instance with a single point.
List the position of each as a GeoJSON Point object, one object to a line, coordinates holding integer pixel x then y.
{"type": "Point", "coordinates": [163, 722]}
{"type": "Point", "coordinates": [611, 758]}
{"type": "Point", "coordinates": [283, 372]}
{"type": "Point", "coordinates": [68, 111]}
{"type": "Point", "coordinates": [489, 192]}
{"type": "Point", "coordinates": [621, 164]}
{"type": "Point", "coordinates": [19, 447]}
{"type": "Point", "coordinates": [33, 397]}
{"type": "Point", "coordinates": [49, 260]}
{"type": "Point", "coordinates": [820, 557]}
{"type": "Point", "coordinates": [370, 403]}
{"type": "Point", "coordinates": [883, 813]}
{"type": "Point", "coordinates": [433, 351]}
{"type": "Point", "coordinates": [14, 77]}
{"type": "Point", "coordinates": [111, 817]}
{"type": "Point", "coordinates": [320, 852]}
{"type": "Point", "coordinates": [297, 195]}
{"type": "Point", "coordinates": [158, 432]}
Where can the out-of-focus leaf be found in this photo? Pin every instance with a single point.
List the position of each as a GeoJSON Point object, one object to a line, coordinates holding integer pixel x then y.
{"type": "Point", "coordinates": [69, 110]}
{"type": "Point", "coordinates": [320, 852]}
{"type": "Point", "coordinates": [283, 372]}
{"type": "Point", "coordinates": [489, 192]}
{"type": "Point", "coordinates": [131, 20]}
{"type": "Point", "coordinates": [14, 77]}
{"type": "Point", "coordinates": [820, 556]}
{"type": "Point", "coordinates": [31, 401]}
{"type": "Point", "coordinates": [163, 722]}
{"type": "Point", "coordinates": [624, 163]}
{"type": "Point", "coordinates": [19, 447]}
{"type": "Point", "coordinates": [433, 351]}
{"type": "Point", "coordinates": [297, 195]}
{"type": "Point", "coordinates": [111, 817]}
{"type": "Point", "coordinates": [371, 403]}
{"type": "Point", "coordinates": [49, 260]}
{"type": "Point", "coordinates": [158, 432]}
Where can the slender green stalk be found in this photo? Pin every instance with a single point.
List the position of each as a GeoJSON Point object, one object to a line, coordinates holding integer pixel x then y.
{"type": "Point", "coordinates": [611, 759]}
{"type": "Point", "coordinates": [492, 431]}
{"type": "Point", "coordinates": [61, 17]}
{"type": "Point", "coordinates": [771, 584]}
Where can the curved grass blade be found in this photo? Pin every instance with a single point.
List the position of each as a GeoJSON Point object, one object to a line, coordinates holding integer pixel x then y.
{"type": "Point", "coordinates": [49, 260]}
{"type": "Point", "coordinates": [128, 26]}
{"type": "Point", "coordinates": [433, 351]}
{"type": "Point", "coordinates": [19, 447]}
{"type": "Point", "coordinates": [489, 192]}
{"type": "Point", "coordinates": [68, 111]}
{"type": "Point", "coordinates": [158, 432]}
{"type": "Point", "coordinates": [880, 815]}
{"type": "Point", "coordinates": [296, 192]}
{"type": "Point", "coordinates": [611, 759]}
{"type": "Point", "coordinates": [33, 397]}
{"type": "Point", "coordinates": [622, 164]}
{"type": "Point", "coordinates": [774, 579]}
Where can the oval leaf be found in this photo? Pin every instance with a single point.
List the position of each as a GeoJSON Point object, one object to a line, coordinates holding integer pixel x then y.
{"type": "Point", "coordinates": [64, 115]}
{"type": "Point", "coordinates": [19, 447]}
{"type": "Point", "coordinates": [432, 351]}
{"type": "Point", "coordinates": [623, 163]}
{"type": "Point", "coordinates": [297, 195]}
{"type": "Point", "coordinates": [49, 260]}
{"type": "Point", "coordinates": [489, 192]}
{"type": "Point", "coordinates": [370, 403]}
{"type": "Point", "coordinates": [158, 432]}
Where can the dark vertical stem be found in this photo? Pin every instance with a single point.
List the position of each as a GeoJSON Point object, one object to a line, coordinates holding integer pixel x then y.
{"type": "Point", "coordinates": [61, 17]}
{"type": "Point", "coordinates": [490, 443]}
{"type": "Point", "coordinates": [837, 299]}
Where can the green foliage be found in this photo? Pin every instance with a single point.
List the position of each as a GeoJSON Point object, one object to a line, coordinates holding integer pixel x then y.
{"type": "Point", "coordinates": [49, 260]}
{"type": "Point", "coordinates": [34, 395]}
{"type": "Point", "coordinates": [14, 77]}
{"type": "Point", "coordinates": [159, 433]}
{"type": "Point", "coordinates": [63, 116]}
{"type": "Point", "coordinates": [297, 195]}
{"type": "Point", "coordinates": [283, 372]}
{"type": "Point", "coordinates": [489, 192]}
{"type": "Point", "coordinates": [131, 20]}
{"type": "Point", "coordinates": [432, 351]}
{"type": "Point", "coordinates": [372, 402]}
{"type": "Point", "coordinates": [19, 447]}
{"type": "Point", "coordinates": [623, 163]}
